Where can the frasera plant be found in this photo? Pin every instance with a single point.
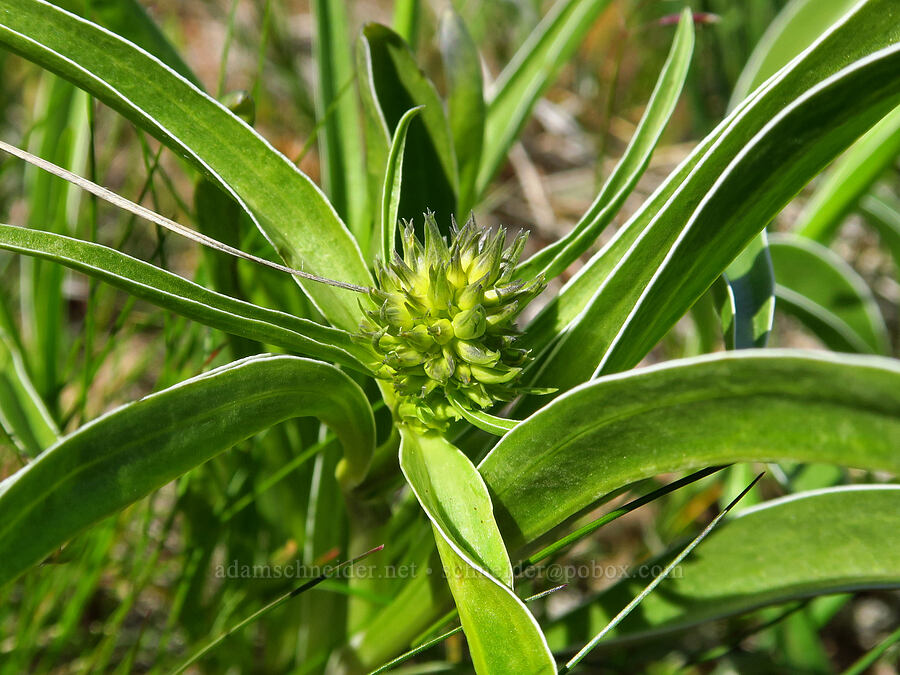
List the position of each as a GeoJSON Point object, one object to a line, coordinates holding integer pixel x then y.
{"type": "Point", "coordinates": [505, 431]}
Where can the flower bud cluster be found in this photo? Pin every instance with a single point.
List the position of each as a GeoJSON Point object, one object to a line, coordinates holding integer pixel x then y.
{"type": "Point", "coordinates": [444, 329]}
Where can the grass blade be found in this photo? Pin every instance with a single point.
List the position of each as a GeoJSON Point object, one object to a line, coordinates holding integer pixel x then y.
{"type": "Point", "coordinates": [868, 660]}
{"type": "Point", "coordinates": [340, 142]}
{"type": "Point", "coordinates": [850, 179]}
{"type": "Point", "coordinates": [466, 108]}
{"type": "Point", "coordinates": [262, 611]}
{"type": "Point", "coordinates": [575, 660]}
{"type": "Point", "coordinates": [532, 69]}
{"type": "Point", "coordinates": [607, 518]}
{"type": "Point", "coordinates": [61, 134]}
{"type": "Point", "coordinates": [406, 20]}
{"type": "Point", "coordinates": [23, 415]}
{"type": "Point", "coordinates": [796, 27]}
{"type": "Point", "coordinates": [809, 544]}
{"type": "Point", "coordinates": [882, 213]}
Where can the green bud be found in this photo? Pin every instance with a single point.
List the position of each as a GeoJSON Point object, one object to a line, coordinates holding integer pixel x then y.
{"type": "Point", "coordinates": [404, 358]}
{"type": "Point", "coordinates": [419, 337]}
{"type": "Point", "coordinates": [511, 257]}
{"type": "Point", "coordinates": [412, 249]}
{"type": "Point", "coordinates": [470, 324]}
{"type": "Point", "coordinates": [442, 331]}
{"type": "Point", "coordinates": [494, 375]}
{"type": "Point", "coordinates": [472, 352]}
{"type": "Point", "coordinates": [456, 275]}
{"type": "Point", "coordinates": [478, 395]}
{"type": "Point", "coordinates": [470, 296]}
{"type": "Point", "coordinates": [436, 251]}
{"type": "Point", "coordinates": [467, 258]}
{"type": "Point", "coordinates": [515, 357]}
{"type": "Point", "coordinates": [388, 342]}
{"type": "Point", "coordinates": [463, 373]}
{"type": "Point", "coordinates": [487, 265]}
{"type": "Point", "coordinates": [428, 386]}
{"type": "Point", "coordinates": [441, 367]}
{"type": "Point", "coordinates": [440, 291]}
{"type": "Point", "coordinates": [395, 312]}
{"type": "Point", "coordinates": [411, 385]}
{"type": "Point", "coordinates": [502, 315]}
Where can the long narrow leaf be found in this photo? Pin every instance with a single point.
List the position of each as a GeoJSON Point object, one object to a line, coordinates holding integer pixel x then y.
{"type": "Point", "coordinates": [184, 297]}
{"type": "Point", "coordinates": [850, 179]}
{"type": "Point", "coordinates": [129, 19]}
{"type": "Point", "coordinates": [686, 187]}
{"type": "Point", "coordinates": [502, 634]}
{"type": "Point", "coordinates": [167, 223]}
{"type": "Point", "coordinates": [555, 258]}
{"type": "Point", "coordinates": [882, 212]}
{"type": "Point", "coordinates": [391, 190]}
{"type": "Point", "coordinates": [122, 456]}
{"type": "Point", "coordinates": [23, 415]}
{"type": "Point", "coordinates": [340, 142]}
{"type": "Point", "coordinates": [440, 638]}
{"type": "Point", "coordinates": [61, 134]}
{"type": "Point", "coordinates": [871, 657]}
{"type": "Point", "coordinates": [749, 405]}
{"type": "Point", "coordinates": [392, 83]}
{"type": "Point", "coordinates": [607, 518]}
{"type": "Point", "coordinates": [745, 406]}
{"type": "Point", "coordinates": [466, 108]}
{"type": "Point", "coordinates": [262, 611]}
{"type": "Point", "coordinates": [747, 296]}
{"type": "Point", "coordinates": [797, 26]}
{"type": "Point", "coordinates": [639, 598]}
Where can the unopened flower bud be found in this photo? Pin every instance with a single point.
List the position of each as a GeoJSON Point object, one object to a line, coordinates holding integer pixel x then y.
{"type": "Point", "coordinates": [472, 352]}
{"type": "Point", "coordinates": [494, 375]}
{"type": "Point", "coordinates": [470, 296]}
{"type": "Point", "coordinates": [419, 337]}
{"type": "Point", "coordinates": [470, 324]}
{"type": "Point", "coordinates": [442, 331]}
{"type": "Point", "coordinates": [441, 367]}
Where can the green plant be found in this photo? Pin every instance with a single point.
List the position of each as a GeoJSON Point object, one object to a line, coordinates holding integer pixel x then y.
{"type": "Point", "coordinates": [414, 359]}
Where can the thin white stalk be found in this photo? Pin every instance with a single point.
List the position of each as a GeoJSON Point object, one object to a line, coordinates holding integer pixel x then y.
{"type": "Point", "coordinates": [162, 221]}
